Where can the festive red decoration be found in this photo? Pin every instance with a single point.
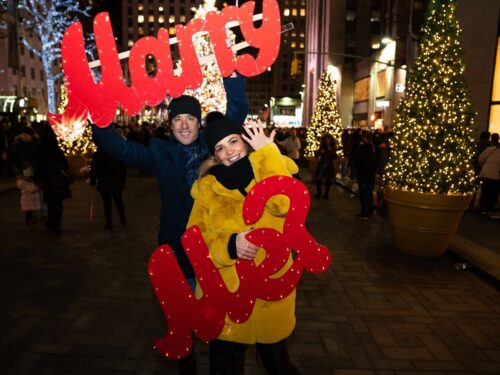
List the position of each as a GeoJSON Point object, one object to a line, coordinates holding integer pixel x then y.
{"type": "Point", "coordinates": [100, 100]}
{"type": "Point", "coordinates": [205, 316]}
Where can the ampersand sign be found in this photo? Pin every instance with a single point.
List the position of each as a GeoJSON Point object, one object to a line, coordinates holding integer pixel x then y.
{"type": "Point", "coordinates": [204, 317]}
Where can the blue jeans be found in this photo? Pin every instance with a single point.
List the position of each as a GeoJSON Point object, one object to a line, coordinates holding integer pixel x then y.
{"type": "Point", "coordinates": [366, 197]}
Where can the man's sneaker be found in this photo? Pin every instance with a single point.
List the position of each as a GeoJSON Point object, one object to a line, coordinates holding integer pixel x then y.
{"type": "Point", "coordinates": [495, 215]}
{"type": "Point", "coordinates": [361, 217]}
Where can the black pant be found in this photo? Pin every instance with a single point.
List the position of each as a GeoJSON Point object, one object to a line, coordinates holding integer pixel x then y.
{"type": "Point", "coordinates": [228, 358]}
{"type": "Point", "coordinates": [328, 183]}
{"type": "Point", "coordinates": [489, 194]}
{"type": "Point", "coordinates": [54, 212]}
{"type": "Point", "coordinates": [107, 196]}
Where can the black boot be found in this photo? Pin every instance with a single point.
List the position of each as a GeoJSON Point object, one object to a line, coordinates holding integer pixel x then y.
{"type": "Point", "coordinates": [318, 189]}
{"type": "Point", "coordinates": [187, 365]}
{"type": "Point", "coordinates": [327, 189]}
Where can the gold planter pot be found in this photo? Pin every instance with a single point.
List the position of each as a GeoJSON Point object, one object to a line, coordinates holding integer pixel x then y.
{"type": "Point", "coordinates": [423, 223]}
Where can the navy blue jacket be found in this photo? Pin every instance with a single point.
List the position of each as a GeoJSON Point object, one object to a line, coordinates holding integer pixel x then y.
{"type": "Point", "coordinates": [165, 160]}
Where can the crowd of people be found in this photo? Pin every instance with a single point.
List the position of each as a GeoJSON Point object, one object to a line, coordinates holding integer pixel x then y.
{"type": "Point", "coordinates": [204, 176]}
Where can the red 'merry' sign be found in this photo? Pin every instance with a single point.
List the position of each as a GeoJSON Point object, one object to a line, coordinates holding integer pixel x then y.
{"type": "Point", "coordinates": [100, 100]}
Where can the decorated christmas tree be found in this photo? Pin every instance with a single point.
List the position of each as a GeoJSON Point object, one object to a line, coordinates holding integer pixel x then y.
{"type": "Point", "coordinates": [211, 93]}
{"type": "Point", "coordinates": [433, 145]}
{"type": "Point", "coordinates": [82, 145]}
{"type": "Point", "coordinates": [326, 116]}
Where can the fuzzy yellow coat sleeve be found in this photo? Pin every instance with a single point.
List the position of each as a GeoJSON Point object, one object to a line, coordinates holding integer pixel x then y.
{"type": "Point", "coordinates": [218, 213]}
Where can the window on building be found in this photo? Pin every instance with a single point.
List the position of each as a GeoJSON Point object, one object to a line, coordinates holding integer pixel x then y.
{"type": "Point", "coordinates": [140, 7]}
{"type": "Point", "coordinates": [140, 31]}
{"type": "Point", "coordinates": [375, 16]}
{"type": "Point", "coordinates": [32, 73]}
{"type": "Point", "coordinates": [381, 83]}
{"type": "Point", "coordinates": [294, 12]}
{"type": "Point", "coordinates": [302, 12]}
{"type": "Point", "coordinates": [140, 18]}
{"type": "Point", "coordinates": [350, 16]}
{"type": "Point", "coordinates": [183, 18]}
{"type": "Point", "coordinates": [171, 19]}
{"type": "Point", "coordinates": [286, 12]}
{"type": "Point", "coordinates": [161, 19]}
{"type": "Point", "coordinates": [151, 18]}
{"type": "Point", "coordinates": [171, 30]}
{"type": "Point", "coordinates": [294, 45]}
{"type": "Point", "coordinates": [130, 43]}
{"type": "Point", "coordinates": [302, 45]}
{"type": "Point", "coordinates": [130, 21]}
{"type": "Point", "coordinates": [302, 35]}
{"type": "Point", "coordinates": [494, 122]}
{"type": "Point", "coordinates": [32, 54]}
{"type": "Point", "coordinates": [41, 75]}
{"type": "Point", "coordinates": [21, 49]}
{"type": "Point", "coordinates": [361, 89]}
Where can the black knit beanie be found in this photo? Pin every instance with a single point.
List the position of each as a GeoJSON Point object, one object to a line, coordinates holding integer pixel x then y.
{"type": "Point", "coordinates": [184, 105]}
{"type": "Point", "coordinates": [219, 129]}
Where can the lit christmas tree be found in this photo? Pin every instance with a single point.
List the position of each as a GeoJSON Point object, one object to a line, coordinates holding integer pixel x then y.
{"type": "Point", "coordinates": [83, 145]}
{"type": "Point", "coordinates": [211, 93]}
{"type": "Point", "coordinates": [433, 145]}
{"type": "Point", "coordinates": [326, 116]}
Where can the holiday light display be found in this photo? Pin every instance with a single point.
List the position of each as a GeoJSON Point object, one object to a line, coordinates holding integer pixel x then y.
{"type": "Point", "coordinates": [73, 141]}
{"type": "Point", "coordinates": [326, 116]}
{"type": "Point", "coordinates": [211, 93]}
{"type": "Point", "coordinates": [145, 90]}
{"type": "Point", "coordinates": [433, 145]}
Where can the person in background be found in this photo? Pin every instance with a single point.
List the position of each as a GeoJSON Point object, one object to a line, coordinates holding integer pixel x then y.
{"type": "Point", "coordinates": [109, 176]}
{"type": "Point", "coordinates": [225, 180]}
{"type": "Point", "coordinates": [291, 146]}
{"type": "Point", "coordinates": [325, 171]}
{"type": "Point", "coordinates": [489, 160]}
{"type": "Point", "coordinates": [30, 194]}
{"type": "Point", "coordinates": [366, 159]}
{"type": "Point", "coordinates": [51, 172]}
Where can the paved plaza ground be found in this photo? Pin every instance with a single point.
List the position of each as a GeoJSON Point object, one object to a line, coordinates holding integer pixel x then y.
{"type": "Point", "coordinates": [81, 302]}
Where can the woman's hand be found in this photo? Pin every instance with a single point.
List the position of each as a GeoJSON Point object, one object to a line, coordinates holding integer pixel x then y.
{"type": "Point", "coordinates": [244, 248]}
{"type": "Point", "coordinates": [256, 137]}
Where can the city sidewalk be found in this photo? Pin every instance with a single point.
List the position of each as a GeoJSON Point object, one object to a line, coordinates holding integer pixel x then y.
{"type": "Point", "coordinates": [81, 302]}
{"type": "Point", "coordinates": [476, 240]}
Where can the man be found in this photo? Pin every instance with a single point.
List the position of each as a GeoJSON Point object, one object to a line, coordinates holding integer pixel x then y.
{"type": "Point", "coordinates": [174, 162]}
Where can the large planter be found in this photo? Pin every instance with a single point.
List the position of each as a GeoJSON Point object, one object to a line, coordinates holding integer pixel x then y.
{"type": "Point", "coordinates": [423, 223]}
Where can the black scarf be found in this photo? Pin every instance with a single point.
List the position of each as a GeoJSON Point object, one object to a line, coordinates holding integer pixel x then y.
{"type": "Point", "coordinates": [237, 176]}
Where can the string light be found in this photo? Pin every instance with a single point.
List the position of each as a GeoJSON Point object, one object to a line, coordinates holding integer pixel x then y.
{"type": "Point", "coordinates": [326, 117]}
{"type": "Point", "coordinates": [211, 93]}
{"type": "Point", "coordinates": [433, 144]}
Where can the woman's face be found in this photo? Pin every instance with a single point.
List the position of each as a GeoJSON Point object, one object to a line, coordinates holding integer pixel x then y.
{"type": "Point", "coordinates": [230, 149]}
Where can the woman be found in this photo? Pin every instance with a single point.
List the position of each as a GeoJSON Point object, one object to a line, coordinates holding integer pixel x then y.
{"type": "Point", "coordinates": [489, 160]}
{"type": "Point", "coordinates": [219, 195]}
{"type": "Point", "coordinates": [325, 171]}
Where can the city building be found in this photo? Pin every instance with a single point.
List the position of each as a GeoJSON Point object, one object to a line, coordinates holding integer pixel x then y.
{"type": "Point", "coordinates": [22, 83]}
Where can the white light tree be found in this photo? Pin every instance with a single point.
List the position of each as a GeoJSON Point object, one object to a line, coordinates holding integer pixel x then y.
{"type": "Point", "coordinates": [49, 19]}
{"type": "Point", "coordinates": [211, 93]}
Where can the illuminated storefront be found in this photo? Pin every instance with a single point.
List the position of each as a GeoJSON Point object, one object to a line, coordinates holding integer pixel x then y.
{"type": "Point", "coordinates": [494, 121]}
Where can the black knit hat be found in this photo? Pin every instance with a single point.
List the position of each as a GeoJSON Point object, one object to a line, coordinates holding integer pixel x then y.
{"type": "Point", "coordinates": [184, 104]}
{"type": "Point", "coordinates": [219, 129]}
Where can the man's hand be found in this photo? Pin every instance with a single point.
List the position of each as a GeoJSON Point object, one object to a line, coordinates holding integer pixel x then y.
{"type": "Point", "coordinates": [245, 249]}
{"type": "Point", "coordinates": [256, 137]}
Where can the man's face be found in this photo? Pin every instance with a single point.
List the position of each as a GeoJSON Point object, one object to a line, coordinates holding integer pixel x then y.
{"type": "Point", "coordinates": [185, 128]}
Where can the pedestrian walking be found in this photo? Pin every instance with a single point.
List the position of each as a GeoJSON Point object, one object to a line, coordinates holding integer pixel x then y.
{"type": "Point", "coordinates": [175, 163]}
{"type": "Point", "coordinates": [219, 194]}
{"type": "Point", "coordinates": [51, 172]}
{"type": "Point", "coordinates": [365, 160]}
{"type": "Point", "coordinates": [291, 146]}
{"type": "Point", "coordinates": [325, 171]}
{"type": "Point", "coordinates": [108, 176]}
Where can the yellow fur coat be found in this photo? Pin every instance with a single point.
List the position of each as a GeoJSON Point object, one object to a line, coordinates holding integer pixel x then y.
{"type": "Point", "coordinates": [218, 213]}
